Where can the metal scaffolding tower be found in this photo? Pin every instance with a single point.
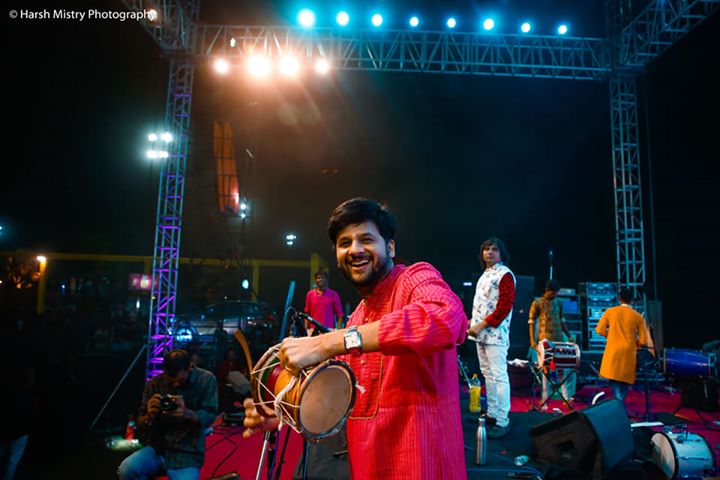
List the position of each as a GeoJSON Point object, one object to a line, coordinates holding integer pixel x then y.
{"type": "Point", "coordinates": [631, 44]}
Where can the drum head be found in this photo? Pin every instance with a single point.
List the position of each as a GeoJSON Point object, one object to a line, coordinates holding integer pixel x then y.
{"type": "Point", "coordinates": [326, 398]}
{"type": "Point", "coordinates": [664, 455]}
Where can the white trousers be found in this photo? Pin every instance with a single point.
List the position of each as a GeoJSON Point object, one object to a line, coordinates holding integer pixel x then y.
{"type": "Point", "coordinates": [493, 365]}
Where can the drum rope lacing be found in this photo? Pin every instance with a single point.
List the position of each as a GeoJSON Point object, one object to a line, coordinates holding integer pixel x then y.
{"type": "Point", "coordinates": [279, 410]}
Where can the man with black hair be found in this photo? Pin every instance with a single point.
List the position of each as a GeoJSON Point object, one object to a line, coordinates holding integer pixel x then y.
{"type": "Point", "coordinates": [401, 346]}
{"type": "Point", "coordinates": [625, 331]}
{"type": "Point", "coordinates": [177, 407]}
{"type": "Point", "coordinates": [490, 328]}
{"type": "Point", "coordinates": [548, 312]}
{"type": "Point", "coordinates": [323, 304]}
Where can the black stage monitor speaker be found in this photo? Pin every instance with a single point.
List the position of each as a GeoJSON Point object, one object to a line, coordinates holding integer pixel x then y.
{"type": "Point", "coordinates": [573, 440]}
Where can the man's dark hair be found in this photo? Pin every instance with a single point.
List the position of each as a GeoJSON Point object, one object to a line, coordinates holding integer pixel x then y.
{"type": "Point", "coordinates": [626, 295]}
{"type": "Point", "coordinates": [552, 285]}
{"type": "Point", "coordinates": [359, 210]}
{"type": "Point", "coordinates": [176, 360]}
{"type": "Point", "coordinates": [504, 254]}
{"type": "Point", "coordinates": [321, 273]}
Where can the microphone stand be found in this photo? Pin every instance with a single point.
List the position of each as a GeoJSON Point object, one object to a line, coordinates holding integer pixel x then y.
{"type": "Point", "coordinates": [550, 258]}
{"type": "Point", "coordinates": [268, 449]}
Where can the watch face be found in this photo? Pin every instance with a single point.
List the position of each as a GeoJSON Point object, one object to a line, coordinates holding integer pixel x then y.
{"type": "Point", "coordinates": [352, 341]}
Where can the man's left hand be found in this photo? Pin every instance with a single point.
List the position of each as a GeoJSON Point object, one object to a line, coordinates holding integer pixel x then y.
{"type": "Point", "coordinates": [475, 330]}
{"type": "Point", "coordinates": [181, 412]}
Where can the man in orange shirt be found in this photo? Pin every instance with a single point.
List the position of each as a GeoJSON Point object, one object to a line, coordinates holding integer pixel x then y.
{"type": "Point", "coordinates": [625, 330]}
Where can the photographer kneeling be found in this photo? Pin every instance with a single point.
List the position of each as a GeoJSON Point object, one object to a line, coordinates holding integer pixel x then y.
{"type": "Point", "coordinates": [177, 407]}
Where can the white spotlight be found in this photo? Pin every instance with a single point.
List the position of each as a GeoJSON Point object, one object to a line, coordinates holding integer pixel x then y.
{"type": "Point", "coordinates": [451, 22]}
{"type": "Point", "coordinates": [221, 66]}
{"type": "Point", "coordinates": [166, 137]}
{"type": "Point", "coordinates": [151, 154]}
{"type": "Point", "coordinates": [233, 43]}
{"type": "Point", "coordinates": [342, 19]}
{"type": "Point", "coordinates": [488, 24]}
{"type": "Point", "coordinates": [259, 66]}
{"type": "Point", "coordinates": [414, 22]}
{"type": "Point", "coordinates": [153, 137]}
{"type": "Point", "coordinates": [322, 66]}
{"type": "Point", "coordinates": [306, 18]}
{"type": "Point", "coordinates": [525, 27]}
{"type": "Point", "coordinates": [289, 66]}
{"type": "Point", "coordinates": [562, 29]}
{"type": "Point", "coordinates": [377, 20]}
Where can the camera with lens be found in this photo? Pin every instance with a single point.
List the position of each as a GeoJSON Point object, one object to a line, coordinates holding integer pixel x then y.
{"type": "Point", "coordinates": [168, 403]}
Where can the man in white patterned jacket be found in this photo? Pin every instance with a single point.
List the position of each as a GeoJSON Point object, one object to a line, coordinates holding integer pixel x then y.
{"type": "Point", "coordinates": [490, 329]}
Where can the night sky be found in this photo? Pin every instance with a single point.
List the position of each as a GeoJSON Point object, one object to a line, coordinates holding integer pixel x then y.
{"type": "Point", "coordinates": [457, 158]}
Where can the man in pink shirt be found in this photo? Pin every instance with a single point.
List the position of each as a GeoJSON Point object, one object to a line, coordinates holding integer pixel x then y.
{"type": "Point", "coordinates": [400, 344]}
{"type": "Point", "coordinates": [323, 303]}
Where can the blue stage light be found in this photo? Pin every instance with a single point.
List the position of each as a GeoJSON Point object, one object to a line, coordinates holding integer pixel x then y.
{"type": "Point", "coordinates": [342, 18]}
{"type": "Point", "coordinates": [414, 22]}
{"type": "Point", "coordinates": [451, 22]}
{"type": "Point", "coordinates": [306, 18]}
{"type": "Point", "coordinates": [488, 24]}
{"type": "Point", "coordinates": [562, 29]}
{"type": "Point", "coordinates": [525, 27]}
{"type": "Point", "coordinates": [377, 20]}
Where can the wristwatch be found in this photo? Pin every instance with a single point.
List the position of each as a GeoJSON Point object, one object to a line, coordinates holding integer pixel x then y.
{"type": "Point", "coordinates": [353, 341]}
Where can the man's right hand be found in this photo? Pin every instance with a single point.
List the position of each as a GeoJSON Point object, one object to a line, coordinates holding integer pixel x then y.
{"type": "Point", "coordinates": [254, 422]}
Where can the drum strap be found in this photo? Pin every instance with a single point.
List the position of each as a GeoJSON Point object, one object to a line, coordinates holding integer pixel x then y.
{"type": "Point", "coordinates": [279, 398]}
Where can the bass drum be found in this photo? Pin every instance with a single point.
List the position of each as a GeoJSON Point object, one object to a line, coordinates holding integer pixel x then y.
{"type": "Point", "coordinates": [682, 455]}
{"type": "Point", "coordinates": [678, 362]}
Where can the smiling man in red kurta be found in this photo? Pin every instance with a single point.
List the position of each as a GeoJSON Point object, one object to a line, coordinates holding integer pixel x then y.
{"type": "Point", "coordinates": [400, 343]}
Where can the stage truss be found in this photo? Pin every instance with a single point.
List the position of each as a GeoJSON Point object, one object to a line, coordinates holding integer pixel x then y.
{"type": "Point", "coordinates": [618, 59]}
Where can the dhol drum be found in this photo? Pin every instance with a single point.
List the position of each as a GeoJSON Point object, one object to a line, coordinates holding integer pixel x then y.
{"type": "Point", "coordinates": [558, 355]}
{"type": "Point", "coordinates": [682, 455]}
{"type": "Point", "coordinates": [678, 362]}
{"type": "Point", "coordinates": [316, 403]}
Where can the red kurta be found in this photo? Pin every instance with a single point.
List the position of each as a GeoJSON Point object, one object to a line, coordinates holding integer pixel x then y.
{"type": "Point", "coordinates": [323, 306]}
{"type": "Point", "coordinates": [407, 424]}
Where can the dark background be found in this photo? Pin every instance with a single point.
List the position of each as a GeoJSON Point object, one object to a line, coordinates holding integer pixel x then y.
{"type": "Point", "coordinates": [457, 158]}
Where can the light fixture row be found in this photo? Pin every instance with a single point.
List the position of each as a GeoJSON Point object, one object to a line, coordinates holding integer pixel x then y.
{"type": "Point", "coordinates": [307, 19]}
{"type": "Point", "coordinates": [261, 66]}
